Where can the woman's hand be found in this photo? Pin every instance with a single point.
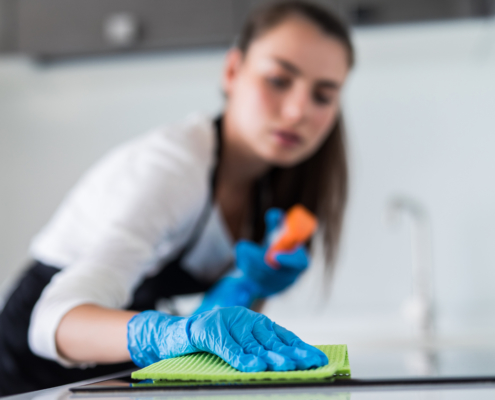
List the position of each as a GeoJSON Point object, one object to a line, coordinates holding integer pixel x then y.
{"type": "Point", "coordinates": [250, 259]}
{"type": "Point", "coordinates": [248, 341]}
{"type": "Point", "coordinates": [253, 278]}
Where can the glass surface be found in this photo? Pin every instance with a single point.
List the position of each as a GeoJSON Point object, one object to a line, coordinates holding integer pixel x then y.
{"type": "Point", "coordinates": [395, 363]}
{"type": "Point", "coordinates": [424, 392]}
{"type": "Point", "coordinates": [369, 369]}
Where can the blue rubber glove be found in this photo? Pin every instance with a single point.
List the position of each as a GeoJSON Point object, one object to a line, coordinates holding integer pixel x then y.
{"type": "Point", "coordinates": [250, 259]}
{"type": "Point", "coordinates": [232, 290]}
{"type": "Point", "coordinates": [253, 278]}
{"type": "Point", "coordinates": [248, 341]}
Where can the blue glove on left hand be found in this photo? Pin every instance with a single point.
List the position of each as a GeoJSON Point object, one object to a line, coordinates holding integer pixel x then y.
{"type": "Point", "coordinates": [253, 277]}
{"type": "Point", "coordinates": [251, 261]}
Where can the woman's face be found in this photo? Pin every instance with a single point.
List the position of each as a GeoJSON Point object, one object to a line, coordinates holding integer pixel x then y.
{"type": "Point", "coordinates": [283, 95]}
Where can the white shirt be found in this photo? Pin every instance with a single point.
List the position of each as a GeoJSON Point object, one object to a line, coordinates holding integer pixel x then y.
{"type": "Point", "coordinates": [127, 215]}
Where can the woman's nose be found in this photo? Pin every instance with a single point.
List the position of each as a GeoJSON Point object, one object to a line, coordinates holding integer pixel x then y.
{"type": "Point", "coordinates": [296, 105]}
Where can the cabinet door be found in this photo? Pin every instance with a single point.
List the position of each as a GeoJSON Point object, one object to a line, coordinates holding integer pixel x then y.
{"type": "Point", "coordinates": [70, 27]}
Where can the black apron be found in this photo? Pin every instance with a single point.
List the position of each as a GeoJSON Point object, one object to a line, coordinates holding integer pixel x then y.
{"type": "Point", "coordinates": [22, 371]}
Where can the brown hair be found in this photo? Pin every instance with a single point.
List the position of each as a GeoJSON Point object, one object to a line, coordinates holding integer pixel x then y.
{"type": "Point", "coordinates": [320, 183]}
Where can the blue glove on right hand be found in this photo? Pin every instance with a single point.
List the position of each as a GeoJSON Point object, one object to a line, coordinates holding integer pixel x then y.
{"type": "Point", "coordinates": [248, 341]}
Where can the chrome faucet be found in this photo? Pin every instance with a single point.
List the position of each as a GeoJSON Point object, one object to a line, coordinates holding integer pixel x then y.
{"type": "Point", "coordinates": [419, 308]}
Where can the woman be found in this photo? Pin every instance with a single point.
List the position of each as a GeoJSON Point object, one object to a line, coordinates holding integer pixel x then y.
{"type": "Point", "coordinates": [159, 216]}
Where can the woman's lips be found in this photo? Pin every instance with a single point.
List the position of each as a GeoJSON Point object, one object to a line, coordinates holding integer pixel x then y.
{"type": "Point", "coordinates": [287, 139]}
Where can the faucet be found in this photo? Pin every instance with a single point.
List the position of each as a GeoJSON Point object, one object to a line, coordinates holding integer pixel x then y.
{"type": "Point", "coordinates": [419, 308]}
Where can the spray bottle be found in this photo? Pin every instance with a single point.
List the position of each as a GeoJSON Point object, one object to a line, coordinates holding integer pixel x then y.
{"type": "Point", "coordinates": [298, 225]}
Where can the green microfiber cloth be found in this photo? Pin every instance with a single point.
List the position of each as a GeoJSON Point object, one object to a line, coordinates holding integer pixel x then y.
{"type": "Point", "coordinates": [209, 367]}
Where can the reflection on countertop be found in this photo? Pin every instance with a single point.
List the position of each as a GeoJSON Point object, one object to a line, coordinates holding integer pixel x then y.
{"type": "Point", "coordinates": [401, 363]}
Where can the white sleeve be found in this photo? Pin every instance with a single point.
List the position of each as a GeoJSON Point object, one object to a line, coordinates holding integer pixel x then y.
{"type": "Point", "coordinates": [135, 198]}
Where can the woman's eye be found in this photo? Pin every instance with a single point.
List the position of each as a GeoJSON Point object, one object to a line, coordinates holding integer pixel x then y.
{"type": "Point", "coordinates": [279, 83]}
{"type": "Point", "coordinates": [320, 98]}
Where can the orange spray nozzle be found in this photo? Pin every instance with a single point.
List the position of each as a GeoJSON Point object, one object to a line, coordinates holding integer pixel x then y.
{"type": "Point", "coordinates": [298, 226]}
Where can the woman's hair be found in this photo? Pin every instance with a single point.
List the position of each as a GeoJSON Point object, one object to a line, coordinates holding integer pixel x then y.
{"type": "Point", "coordinates": [320, 183]}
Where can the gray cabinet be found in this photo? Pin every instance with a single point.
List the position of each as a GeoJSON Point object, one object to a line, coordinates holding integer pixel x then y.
{"type": "Point", "coordinates": [60, 28]}
{"type": "Point", "coordinates": [65, 27]}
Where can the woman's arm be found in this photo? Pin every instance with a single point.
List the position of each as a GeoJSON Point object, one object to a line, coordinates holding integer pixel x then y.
{"type": "Point", "coordinates": [112, 229]}
{"type": "Point", "coordinates": [91, 333]}
{"type": "Point", "coordinates": [246, 340]}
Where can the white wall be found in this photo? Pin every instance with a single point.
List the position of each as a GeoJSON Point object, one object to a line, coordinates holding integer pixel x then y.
{"type": "Point", "coordinates": [419, 107]}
